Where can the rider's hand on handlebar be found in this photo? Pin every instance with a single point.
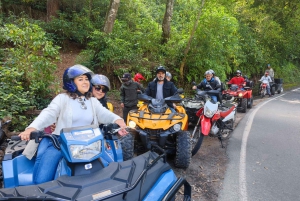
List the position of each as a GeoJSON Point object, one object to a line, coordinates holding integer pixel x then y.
{"type": "Point", "coordinates": [25, 135]}
{"type": "Point", "coordinates": [123, 127]}
{"type": "Point", "coordinates": [194, 87]}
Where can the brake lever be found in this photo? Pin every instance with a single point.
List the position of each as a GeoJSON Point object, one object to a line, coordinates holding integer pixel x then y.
{"type": "Point", "coordinates": [117, 129]}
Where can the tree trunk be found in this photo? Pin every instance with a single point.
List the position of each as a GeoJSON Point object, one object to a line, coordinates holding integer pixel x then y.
{"type": "Point", "coordinates": [186, 51]}
{"type": "Point", "coordinates": [166, 26]}
{"type": "Point", "coordinates": [111, 16]}
{"type": "Point", "coordinates": [52, 8]}
{"type": "Point", "coordinates": [0, 7]}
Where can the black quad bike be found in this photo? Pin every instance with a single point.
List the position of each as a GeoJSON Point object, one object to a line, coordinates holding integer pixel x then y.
{"type": "Point", "coordinates": [277, 86]}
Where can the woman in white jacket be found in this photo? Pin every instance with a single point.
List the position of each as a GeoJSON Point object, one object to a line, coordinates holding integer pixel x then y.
{"type": "Point", "coordinates": [74, 108]}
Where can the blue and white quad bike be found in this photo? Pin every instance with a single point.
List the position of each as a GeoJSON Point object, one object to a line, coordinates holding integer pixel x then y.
{"type": "Point", "coordinates": [92, 168]}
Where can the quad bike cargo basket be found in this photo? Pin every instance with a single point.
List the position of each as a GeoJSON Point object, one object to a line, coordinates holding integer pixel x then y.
{"type": "Point", "coordinates": [278, 81]}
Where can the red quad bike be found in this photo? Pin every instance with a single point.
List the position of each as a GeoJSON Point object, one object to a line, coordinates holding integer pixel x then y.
{"type": "Point", "coordinates": [243, 97]}
{"type": "Point", "coordinates": [213, 120]}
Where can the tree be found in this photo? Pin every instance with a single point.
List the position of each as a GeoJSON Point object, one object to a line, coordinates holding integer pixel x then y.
{"type": "Point", "coordinates": [111, 16]}
{"type": "Point", "coordinates": [52, 8]}
{"type": "Point", "coordinates": [186, 51]}
{"type": "Point", "coordinates": [166, 25]}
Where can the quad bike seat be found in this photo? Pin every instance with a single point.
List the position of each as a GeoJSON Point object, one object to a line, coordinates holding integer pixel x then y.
{"type": "Point", "coordinates": [115, 178]}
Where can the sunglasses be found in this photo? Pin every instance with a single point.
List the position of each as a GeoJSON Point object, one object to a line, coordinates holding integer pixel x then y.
{"type": "Point", "coordinates": [102, 88]}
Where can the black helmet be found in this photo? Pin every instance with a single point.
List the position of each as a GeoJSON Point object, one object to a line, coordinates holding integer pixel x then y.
{"type": "Point", "coordinates": [100, 80]}
{"type": "Point", "coordinates": [72, 72]}
{"type": "Point", "coordinates": [161, 68]}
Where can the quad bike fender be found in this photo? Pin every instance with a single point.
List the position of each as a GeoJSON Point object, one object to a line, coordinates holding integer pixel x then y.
{"type": "Point", "coordinates": [248, 94]}
{"type": "Point", "coordinates": [205, 125]}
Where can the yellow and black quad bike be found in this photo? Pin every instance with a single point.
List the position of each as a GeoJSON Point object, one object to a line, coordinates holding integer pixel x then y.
{"type": "Point", "coordinates": [155, 124]}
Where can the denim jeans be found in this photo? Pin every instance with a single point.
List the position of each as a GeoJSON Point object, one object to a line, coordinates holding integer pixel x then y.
{"type": "Point", "coordinates": [214, 98]}
{"type": "Point", "coordinates": [46, 161]}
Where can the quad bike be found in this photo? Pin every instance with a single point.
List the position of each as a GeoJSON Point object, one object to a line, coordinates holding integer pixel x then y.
{"type": "Point", "coordinates": [155, 124]}
{"type": "Point", "coordinates": [213, 119]}
{"type": "Point", "coordinates": [191, 106]}
{"type": "Point", "coordinates": [91, 169]}
{"type": "Point", "coordinates": [242, 97]}
{"type": "Point", "coordinates": [276, 86]}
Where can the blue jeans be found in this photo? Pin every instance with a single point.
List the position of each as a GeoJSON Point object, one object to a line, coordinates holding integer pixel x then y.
{"type": "Point", "coordinates": [214, 98]}
{"type": "Point", "coordinates": [172, 110]}
{"type": "Point", "coordinates": [46, 161]}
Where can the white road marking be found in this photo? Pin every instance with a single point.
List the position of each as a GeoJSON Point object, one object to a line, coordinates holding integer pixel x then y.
{"type": "Point", "coordinates": [242, 167]}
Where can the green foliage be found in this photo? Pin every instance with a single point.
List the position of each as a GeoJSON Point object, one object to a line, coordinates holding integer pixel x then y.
{"type": "Point", "coordinates": [14, 99]}
{"type": "Point", "coordinates": [231, 35]}
{"type": "Point", "coordinates": [27, 69]}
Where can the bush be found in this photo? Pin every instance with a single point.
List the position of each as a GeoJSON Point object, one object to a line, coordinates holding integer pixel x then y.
{"type": "Point", "coordinates": [27, 70]}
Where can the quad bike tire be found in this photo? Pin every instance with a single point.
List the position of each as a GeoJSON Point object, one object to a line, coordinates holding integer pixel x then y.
{"type": "Point", "coordinates": [127, 143]}
{"type": "Point", "coordinates": [262, 93]}
{"type": "Point", "coordinates": [183, 149]}
{"type": "Point", "coordinates": [273, 90]}
{"type": "Point", "coordinates": [280, 90]}
{"type": "Point", "coordinates": [197, 140]}
{"type": "Point", "coordinates": [250, 102]}
{"type": "Point", "coordinates": [244, 105]}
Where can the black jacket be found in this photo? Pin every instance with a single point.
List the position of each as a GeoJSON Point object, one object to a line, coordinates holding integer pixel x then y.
{"type": "Point", "coordinates": [209, 85]}
{"type": "Point", "coordinates": [103, 101]}
{"type": "Point", "coordinates": [169, 89]}
{"type": "Point", "coordinates": [129, 93]}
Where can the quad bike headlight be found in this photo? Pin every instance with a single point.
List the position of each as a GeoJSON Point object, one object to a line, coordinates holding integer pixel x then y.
{"type": "Point", "coordinates": [132, 124]}
{"type": "Point", "coordinates": [240, 95]}
{"type": "Point", "coordinates": [85, 151]}
{"type": "Point", "coordinates": [177, 127]}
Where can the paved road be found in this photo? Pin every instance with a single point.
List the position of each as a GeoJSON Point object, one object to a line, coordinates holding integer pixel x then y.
{"type": "Point", "coordinates": [264, 152]}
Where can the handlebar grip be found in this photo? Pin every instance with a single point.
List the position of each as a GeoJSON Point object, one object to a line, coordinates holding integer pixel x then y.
{"type": "Point", "coordinates": [15, 138]}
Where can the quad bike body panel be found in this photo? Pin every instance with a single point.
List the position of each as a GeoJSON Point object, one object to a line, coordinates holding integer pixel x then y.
{"type": "Point", "coordinates": [101, 175]}
{"type": "Point", "coordinates": [156, 124]}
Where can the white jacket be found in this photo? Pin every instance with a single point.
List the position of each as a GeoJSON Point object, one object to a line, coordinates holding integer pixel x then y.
{"type": "Point", "coordinates": [59, 111]}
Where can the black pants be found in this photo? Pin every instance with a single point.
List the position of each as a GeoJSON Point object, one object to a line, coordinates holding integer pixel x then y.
{"type": "Point", "coordinates": [126, 111]}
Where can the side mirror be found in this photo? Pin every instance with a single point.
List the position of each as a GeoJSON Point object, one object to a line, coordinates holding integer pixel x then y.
{"type": "Point", "coordinates": [194, 83]}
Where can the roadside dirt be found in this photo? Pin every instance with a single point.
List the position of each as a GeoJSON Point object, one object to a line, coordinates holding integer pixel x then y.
{"type": "Point", "coordinates": [207, 170]}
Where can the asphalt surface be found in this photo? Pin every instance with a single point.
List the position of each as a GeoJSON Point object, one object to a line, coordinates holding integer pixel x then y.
{"type": "Point", "coordinates": [264, 152]}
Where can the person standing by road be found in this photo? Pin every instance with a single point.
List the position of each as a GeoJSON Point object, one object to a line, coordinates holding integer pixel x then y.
{"type": "Point", "coordinates": [270, 71]}
{"type": "Point", "coordinates": [128, 92]}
